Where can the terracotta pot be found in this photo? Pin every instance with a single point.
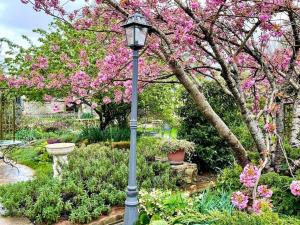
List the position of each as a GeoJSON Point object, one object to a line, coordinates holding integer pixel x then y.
{"type": "Point", "coordinates": [176, 157]}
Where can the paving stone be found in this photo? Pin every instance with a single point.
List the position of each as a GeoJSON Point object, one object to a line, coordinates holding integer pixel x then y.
{"type": "Point", "coordinates": [8, 175]}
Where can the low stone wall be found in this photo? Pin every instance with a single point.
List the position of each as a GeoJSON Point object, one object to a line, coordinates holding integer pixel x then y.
{"type": "Point", "coordinates": [186, 172]}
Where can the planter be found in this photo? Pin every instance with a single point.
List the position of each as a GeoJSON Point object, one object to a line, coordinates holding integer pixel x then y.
{"type": "Point", "coordinates": [60, 152]}
{"type": "Point", "coordinates": [177, 157]}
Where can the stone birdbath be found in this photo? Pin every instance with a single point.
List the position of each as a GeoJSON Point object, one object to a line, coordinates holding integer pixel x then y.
{"type": "Point", "coordinates": [60, 152]}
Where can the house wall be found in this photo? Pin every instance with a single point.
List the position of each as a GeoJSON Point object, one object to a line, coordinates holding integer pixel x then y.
{"type": "Point", "coordinates": [45, 108]}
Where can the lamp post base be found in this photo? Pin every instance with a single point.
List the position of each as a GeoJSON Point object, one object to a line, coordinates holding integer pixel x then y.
{"type": "Point", "coordinates": [131, 206]}
{"type": "Point", "coordinates": [131, 214]}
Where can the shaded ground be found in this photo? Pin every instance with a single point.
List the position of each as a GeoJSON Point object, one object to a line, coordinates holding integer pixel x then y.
{"type": "Point", "coordinates": [206, 180]}
{"type": "Point", "coordinates": [9, 174]}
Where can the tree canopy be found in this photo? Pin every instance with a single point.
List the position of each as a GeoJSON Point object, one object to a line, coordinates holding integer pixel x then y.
{"type": "Point", "coordinates": [250, 48]}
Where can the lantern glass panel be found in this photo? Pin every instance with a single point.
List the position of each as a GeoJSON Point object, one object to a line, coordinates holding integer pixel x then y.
{"type": "Point", "coordinates": [130, 35]}
{"type": "Point", "coordinates": [140, 35]}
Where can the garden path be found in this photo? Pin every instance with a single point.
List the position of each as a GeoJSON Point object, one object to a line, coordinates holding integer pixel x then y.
{"type": "Point", "coordinates": [8, 175]}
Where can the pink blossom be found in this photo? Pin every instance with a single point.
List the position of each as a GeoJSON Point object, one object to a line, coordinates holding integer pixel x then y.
{"type": "Point", "coordinates": [84, 63]}
{"type": "Point", "coordinates": [270, 127]}
{"type": "Point", "coordinates": [106, 100]}
{"type": "Point", "coordinates": [71, 65]}
{"type": "Point", "coordinates": [28, 58]}
{"type": "Point", "coordinates": [239, 200]}
{"type": "Point", "coordinates": [214, 3]}
{"type": "Point", "coordinates": [264, 17]}
{"type": "Point", "coordinates": [258, 205]}
{"type": "Point", "coordinates": [47, 98]}
{"type": "Point", "coordinates": [64, 57]}
{"type": "Point", "coordinates": [264, 192]}
{"type": "Point", "coordinates": [94, 105]}
{"type": "Point", "coordinates": [80, 80]}
{"type": "Point", "coordinates": [195, 5]}
{"type": "Point", "coordinates": [118, 96]}
{"type": "Point", "coordinates": [295, 187]}
{"type": "Point", "coordinates": [248, 84]}
{"type": "Point", "coordinates": [71, 16]}
{"type": "Point", "coordinates": [264, 38]}
{"type": "Point", "coordinates": [56, 108]}
{"type": "Point", "coordinates": [78, 101]}
{"type": "Point", "coordinates": [43, 62]}
{"type": "Point", "coordinates": [55, 48]}
{"type": "Point", "coordinates": [249, 176]}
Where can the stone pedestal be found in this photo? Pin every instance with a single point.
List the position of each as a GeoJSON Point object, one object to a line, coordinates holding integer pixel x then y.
{"type": "Point", "coordinates": [186, 172]}
{"type": "Point", "coordinates": [60, 152]}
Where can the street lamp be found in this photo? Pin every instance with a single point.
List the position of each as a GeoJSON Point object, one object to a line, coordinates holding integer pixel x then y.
{"type": "Point", "coordinates": [136, 29]}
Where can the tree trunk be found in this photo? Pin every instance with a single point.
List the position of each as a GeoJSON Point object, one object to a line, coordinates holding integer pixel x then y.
{"type": "Point", "coordinates": [277, 155]}
{"type": "Point", "coordinates": [208, 112]}
{"type": "Point", "coordinates": [295, 130]}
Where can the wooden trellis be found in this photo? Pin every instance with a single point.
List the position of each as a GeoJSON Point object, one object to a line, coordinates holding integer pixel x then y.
{"type": "Point", "coordinates": [8, 114]}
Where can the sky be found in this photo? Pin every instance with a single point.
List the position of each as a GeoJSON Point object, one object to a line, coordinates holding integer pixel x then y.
{"type": "Point", "coordinates": [17, 19]}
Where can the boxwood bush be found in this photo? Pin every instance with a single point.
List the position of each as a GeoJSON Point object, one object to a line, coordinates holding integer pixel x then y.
{"type": "Point", "coordinates": [94, 180]}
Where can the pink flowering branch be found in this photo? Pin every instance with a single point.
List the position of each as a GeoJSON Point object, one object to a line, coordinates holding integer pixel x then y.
{"type": "Point", "coordinates": [261, 167]}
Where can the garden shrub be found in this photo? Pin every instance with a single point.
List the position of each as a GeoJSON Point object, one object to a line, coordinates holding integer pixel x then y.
{"type": "Point", "coordinates": [95, 134]}
{"type": "Point", "coordinates": [229, 178]}
{"type": "Point", "coordinates": [212, 152]}
{"type": "Point", "coordinates": [54, 126]}
{"type": "Point", "coordinates": [176, 208]}
{"type": "Point", "coordinates": [282, 199]}
{"type": "Point", "coordinates": [94, 180]}
{"type": "Point", "coordinates": [236, 218]}
{"type": "Point", "coordinates": [39, 200]}
{"type": "Point", "coordinates": [160, 204]}
{"type": "Point", "coordinates": [149, 147]}
{"type": "Point", "coordinates": [68, 137]}
{"type": "Point", "coordinates": [29, 134]}
{"type": "Point", "coordinates": [292, 153]}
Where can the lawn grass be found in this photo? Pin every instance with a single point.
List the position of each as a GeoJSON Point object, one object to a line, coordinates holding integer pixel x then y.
{"type": "Point", "coordinates": [30, 156]}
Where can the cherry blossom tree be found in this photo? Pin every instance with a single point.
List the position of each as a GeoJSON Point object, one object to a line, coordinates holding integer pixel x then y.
{"type": "Point", "coordinates": [62, 67]}
{"type": "Point", "coordinates": [250, 48]}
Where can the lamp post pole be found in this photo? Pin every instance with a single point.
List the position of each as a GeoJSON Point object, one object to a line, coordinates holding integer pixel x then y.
{"type": "Point", "coordinates": [131, 203]}
{"type": "Point", "coordinates": [136, 29]}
